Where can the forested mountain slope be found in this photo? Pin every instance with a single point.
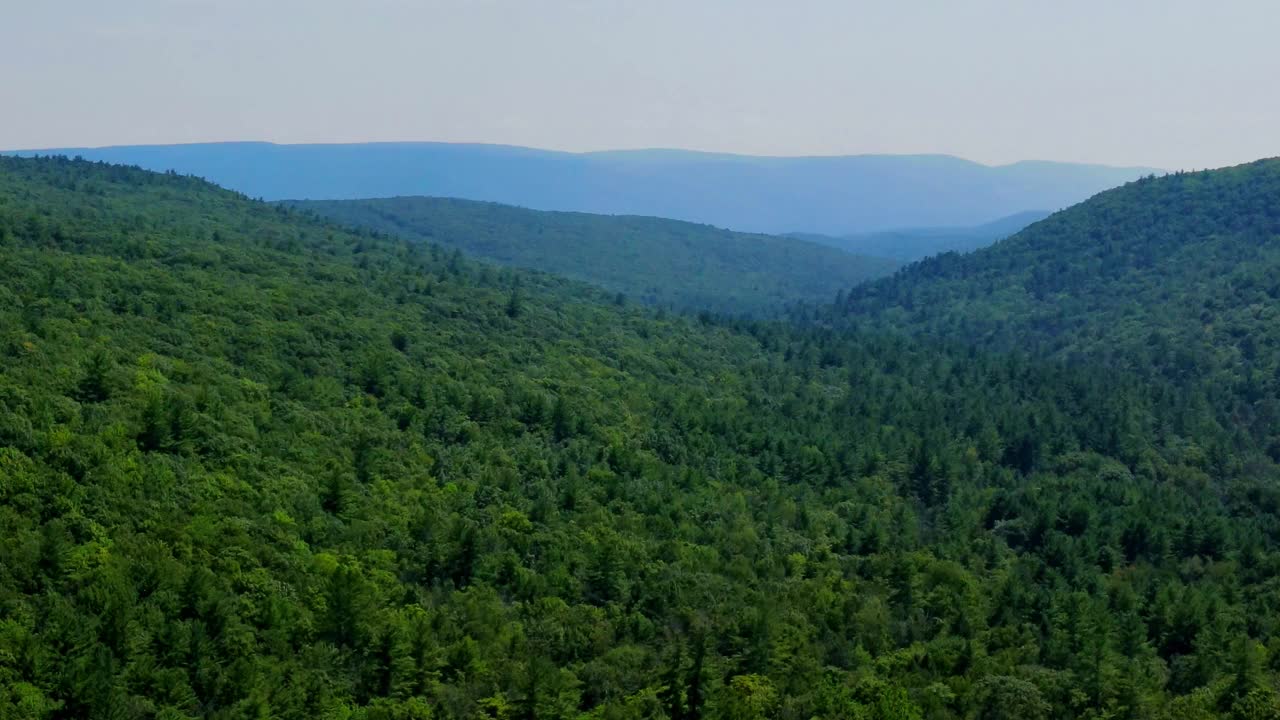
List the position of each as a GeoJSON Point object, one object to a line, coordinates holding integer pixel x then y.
{"type": "Point", "coordinates": [656, 261]}
{"type": "Point", "coordinates": [1178, 275]}
{"type": "Point", "coordinates": [833, 195]}
{"type": "Point", "coordinates": [911, 244]}
{"type": "Point", "coordinates": [253, 465]}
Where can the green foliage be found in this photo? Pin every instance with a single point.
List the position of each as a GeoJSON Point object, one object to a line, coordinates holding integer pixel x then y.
{"type": "Point", "coordinates": [1011, 698]}
{"type": "Point", "coordinates": [657, 261]}
{"type": "Point", "coordinates": [1177, 276]}
{"type": "Point", "coordinates": [748, 697]}
{"type": "Point", "coordinates": [255, 465]}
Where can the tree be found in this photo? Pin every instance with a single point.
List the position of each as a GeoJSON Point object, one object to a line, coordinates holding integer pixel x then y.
{"type": "Point", "coordinates": [95, 384]}
{"type": "Point", "coordinates": [514, 303]}
{"type": "Point", "coordinates": [1002, 697]}
{"type": "Point", "coordinates": [748, 697]}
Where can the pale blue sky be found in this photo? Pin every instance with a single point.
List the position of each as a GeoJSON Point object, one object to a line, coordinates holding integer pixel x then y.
{"type": "Point", "coordinates": [1168, 83]}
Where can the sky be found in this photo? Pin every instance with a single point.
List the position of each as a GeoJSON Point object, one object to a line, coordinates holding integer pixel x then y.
{"type": "Point", "coordinates": [1170, 83]}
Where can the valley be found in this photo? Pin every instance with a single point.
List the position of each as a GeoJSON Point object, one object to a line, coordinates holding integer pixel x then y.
{"type": "Point", "coordinates": [255, 463]}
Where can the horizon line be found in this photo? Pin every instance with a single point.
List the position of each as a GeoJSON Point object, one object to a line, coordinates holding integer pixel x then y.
{"type": "Point", "coordinates": [606, 151]}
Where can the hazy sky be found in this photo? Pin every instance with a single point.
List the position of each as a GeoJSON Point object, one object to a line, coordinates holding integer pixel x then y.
{"type": "Point", "coordinates": [1166, 83]}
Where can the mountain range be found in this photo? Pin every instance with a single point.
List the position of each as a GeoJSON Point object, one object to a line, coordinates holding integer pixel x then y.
{"type": "Point", "coordinates": [835, 195]}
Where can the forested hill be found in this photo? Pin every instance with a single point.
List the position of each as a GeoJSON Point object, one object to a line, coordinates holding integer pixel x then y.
{"type": "Point", "coordinates": [254, 465]}
{"type": "Point", "coordinates": [660, 262]}
{"type": "Point", "coordinates": [1178, 275]}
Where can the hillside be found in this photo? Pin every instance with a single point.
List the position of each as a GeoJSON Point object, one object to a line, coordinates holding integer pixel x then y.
{"type": "Point", "coordinates": [1177, 275]}
{"type": "Point", "coordinates": [910, 244]}
{"type": "Point", "coordinates": [831, 195]}
{"type": "Point", "coordinates": [659, 262]}
{"type": "Point", "coordinates": [256, 465]}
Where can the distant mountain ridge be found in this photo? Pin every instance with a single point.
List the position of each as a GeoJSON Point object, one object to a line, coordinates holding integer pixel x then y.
{"type": "Point", "coordinates": [834, 195]}
{"type": "Point", "coordinates": [667, 263]}
{"type": "Point", "coordinates": [911, 244]}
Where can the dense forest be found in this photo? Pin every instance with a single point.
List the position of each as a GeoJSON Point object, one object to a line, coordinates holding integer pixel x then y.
{"type": "Point", "coordinates": [1177, 276]}
{"type": "Point", "coordinates": [253, 465]}
{"type": "Point", "coordinates": [666, 263]}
